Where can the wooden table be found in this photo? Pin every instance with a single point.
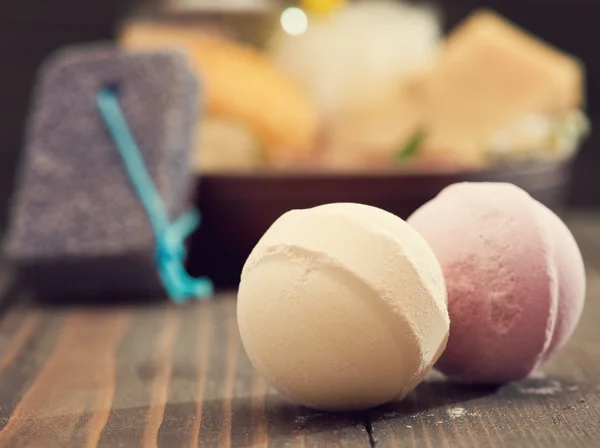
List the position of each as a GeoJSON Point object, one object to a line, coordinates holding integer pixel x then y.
{"type": "Point", "coordinates": [173, 376]}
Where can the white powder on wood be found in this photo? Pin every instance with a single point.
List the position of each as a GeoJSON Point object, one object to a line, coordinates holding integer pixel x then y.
{"type": "Point", "coordinates": [456, 412]}
{"type": "Point", "coordinates": [553, 387]}
{"type": "Point", "coordinates": [538, 375]}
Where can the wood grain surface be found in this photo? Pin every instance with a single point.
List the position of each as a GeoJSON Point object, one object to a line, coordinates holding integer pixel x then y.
{"type": "Point", "coordinates": [177, 376]}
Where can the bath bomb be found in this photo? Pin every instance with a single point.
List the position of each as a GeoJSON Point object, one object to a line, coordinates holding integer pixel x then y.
{"type": "Point", "coordinates": [515, 279]}
{"type": "Point", "coordinates": [342, 307]}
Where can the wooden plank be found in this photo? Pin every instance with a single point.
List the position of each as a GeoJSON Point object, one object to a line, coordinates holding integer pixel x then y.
{"type": "Point", "coordinates": [158, 376]}
{"type": "Point", "coordinates": [71, 396]}
{"type": "Point", "coordinates": [180, 378]}
{"type": "Point", "coordinates": [165, 375]}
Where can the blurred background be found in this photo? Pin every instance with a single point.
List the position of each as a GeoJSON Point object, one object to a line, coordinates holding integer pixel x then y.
{"type": "Point", "coordinates": [373, 90]}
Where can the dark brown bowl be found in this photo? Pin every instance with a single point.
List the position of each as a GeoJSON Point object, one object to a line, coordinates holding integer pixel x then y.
{"type": "Point", "coordinates": [238, 208]}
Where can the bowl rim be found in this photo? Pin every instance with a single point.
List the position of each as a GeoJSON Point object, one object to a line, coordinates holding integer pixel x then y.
{"type": "Point", "coordinates": [509, 170]}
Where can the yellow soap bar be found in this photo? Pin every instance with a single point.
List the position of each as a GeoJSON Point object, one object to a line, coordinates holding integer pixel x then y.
{"type": "Point", "coordinates": [490, 72]}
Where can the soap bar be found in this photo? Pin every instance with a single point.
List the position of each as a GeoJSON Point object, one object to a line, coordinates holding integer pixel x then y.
{"type": "Point", "coordinates": [515, 279]}
{"type": "Point", "coordinates": [77, 225]}
{"type": "Point", "coordinates": [489, 73]}
{"type": "Point", "coordinates": [342, 307]}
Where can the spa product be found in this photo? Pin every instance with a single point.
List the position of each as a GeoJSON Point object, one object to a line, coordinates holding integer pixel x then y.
{"type": "Point", "coordinates": [100, 207]}
{"type": "Point", "coordinates": [515, 279]}
{"type": "Point", "coordinates": [498, 91]}
{"type": "Point", "coordinates": [342, 307]}
{"type": "Point", "coordinates": [246, 93]}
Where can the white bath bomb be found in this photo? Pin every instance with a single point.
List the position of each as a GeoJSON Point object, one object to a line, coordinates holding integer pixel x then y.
{"type": "Point", "coordinates": [342, 307]}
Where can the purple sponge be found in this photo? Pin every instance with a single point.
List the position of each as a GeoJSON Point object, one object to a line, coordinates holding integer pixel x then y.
{"type": "Point", "coordinates": [77, 225]}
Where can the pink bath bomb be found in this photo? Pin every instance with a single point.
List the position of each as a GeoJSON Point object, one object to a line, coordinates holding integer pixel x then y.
{"type": "Point", "coordinates": [515, 279]}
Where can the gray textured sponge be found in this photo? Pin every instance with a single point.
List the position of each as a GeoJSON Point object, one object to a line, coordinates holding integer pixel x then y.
{"type": "Point", "coordinates": [77, 225]}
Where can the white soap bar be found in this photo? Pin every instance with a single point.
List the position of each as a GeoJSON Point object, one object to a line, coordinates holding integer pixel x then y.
{"type": "Point", "coordinates": [342, 307]}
